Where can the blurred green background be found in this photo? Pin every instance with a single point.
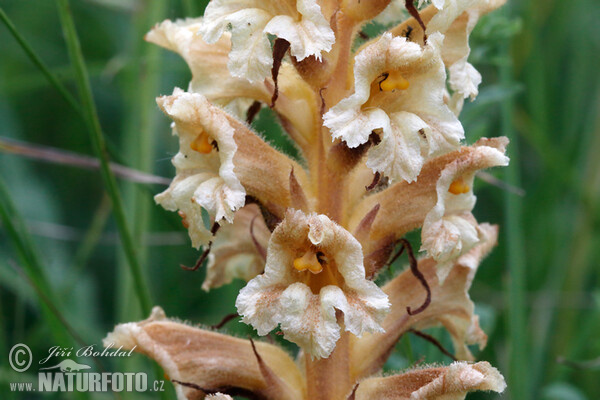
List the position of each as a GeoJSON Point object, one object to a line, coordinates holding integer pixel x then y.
{"type": "Point", "coordinates": [60, 254]}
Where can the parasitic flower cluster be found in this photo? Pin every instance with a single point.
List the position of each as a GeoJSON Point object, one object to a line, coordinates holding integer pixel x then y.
{"type": "Point", "coordinates": [381, 154]}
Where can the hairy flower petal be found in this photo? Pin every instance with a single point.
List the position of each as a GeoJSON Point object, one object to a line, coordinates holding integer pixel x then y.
{"type": "Point", "coordinates": [209, 178]}
{"type": "Point", "coordinates": [219, 178]}
{"type": "Point", "coordinates": [418, 199]}
{"type": "Point", "coordinates": [208, 359]}
{"type": "Point", "coordinates": [441, 383]}
{"type": "Point", "coordinates": [304, 303]}
{"type": "Point", "coordinates": [415, 122]}
{"type": "Point", "coordinates": [450, 306]}
{"type": "Point", "coordinates": [455, 19]}
{"type": "Point", "coordinates": [300, 23]}
{"type": "Point", "coordinates": [449, 229]}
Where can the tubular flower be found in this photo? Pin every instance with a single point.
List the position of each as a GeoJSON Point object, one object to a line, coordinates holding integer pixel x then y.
{"type": "Point", "coordinates": [455, 19]}
{"type": "Point", "coordinates": [450, 229]}
{"type": "Point", "coordinates": [314, 267]}
{"type": "Point", "coordinates": [399, 90]}
{"type": "Point", "coordinates": [300, 23]}
{"type": "Point", "coordinates": [379, 155]}
{"type": "Point", "coordinates": [205, 175]}
{"type": "Point", "coordinates": [213, 172]}
{"type": "Point", "coordinates": [238, 249]}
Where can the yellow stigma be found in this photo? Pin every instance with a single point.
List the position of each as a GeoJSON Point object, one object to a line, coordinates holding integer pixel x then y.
{"type": "Point", "coordinates": [459, 187]}
{"type": "Point", "coordinates": [308, 261]}
{"type": "Point", "coordinates": [202, 143]}
{"type": "Point", "coordinates": [394, 81]}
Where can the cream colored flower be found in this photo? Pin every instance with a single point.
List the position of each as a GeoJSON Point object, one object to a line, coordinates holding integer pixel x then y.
{"type": "Point", "coordinates": [299, 22]}
{"type": "Point", "coordinates": [314, 267]}
{"type": "Point", "coordinates": [450, 306]}
{"type": "Point", "coordinates": [238, 249]}
{"type": "Point", "coordinates": [455, 19]}
{"type": "Point", "coordinates": [450, 229]}
{"type": "Point", "coordinates": [205, 172]}
{"type": "Point", "coordinates": [399, 89]}
{"type": "Point", "coordinates": [217, 166]}
{"type": "Point", "coordinates": [441, 383]}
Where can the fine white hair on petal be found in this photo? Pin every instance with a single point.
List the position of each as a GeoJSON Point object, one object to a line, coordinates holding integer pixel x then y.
{"type": "Point", "coordinates": [302, 24]}
{"type": "Point", "coordinates": [415, 123]}
{"type": "Point", "coordinates": [449, 229]}
{"type": "Point", "coordinates": [281, 296]}
{"type": "Point", "coordinates": [203, 180]}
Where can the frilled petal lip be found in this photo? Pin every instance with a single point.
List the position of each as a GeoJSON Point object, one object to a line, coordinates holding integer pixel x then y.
{"type": "Point", "coordinates": [307, 318]}
{"type": "Point", "coordinates": [210, 360]}
{"type": "Point", "coordinates": [431, 383]}
{"type": "Point", "coordinates": [418, 198]}
{"type": "Point", "coordinates": [450, 306]}
{"type": "Point", "coordinates": [449, 229]}
{"type": "Point", "coordinates": [433, 128]}
{"type": "Point", "coordinates": [206, 180]}
{"type": "Point", "coordinates": [305, 28]}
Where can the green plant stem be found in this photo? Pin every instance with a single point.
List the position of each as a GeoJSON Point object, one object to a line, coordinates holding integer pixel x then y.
{"type": "Point", "coordinates": [99, 145]}
{"type": "Point", "coordinates": [517, 332]}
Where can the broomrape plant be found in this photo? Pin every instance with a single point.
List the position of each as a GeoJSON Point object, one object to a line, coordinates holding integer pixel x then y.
{"type": "Point", "coordinates": [381, 155]}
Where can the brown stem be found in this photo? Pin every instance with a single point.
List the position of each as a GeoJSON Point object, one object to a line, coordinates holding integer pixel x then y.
{"type": "Point", "coordinates": [329, 378]}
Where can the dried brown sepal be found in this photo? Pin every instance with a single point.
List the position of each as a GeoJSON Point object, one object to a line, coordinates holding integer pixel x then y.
{"type": "Point", "coordinates": [450, 382]}
{"type": "Point", "coordinates": [270, 217]}
{"type": "Point", "coordinates": [280, 47]}
{"type": "Point", "coordinates": [275, 386]}
{"type": "Point", "coordinates": [298, 197]}
{"type": "Point", "coordinates": [253, 111]}
{"type": "Point", "coordinates": [209, 361]}
{"type": "Point", "coordinates": [412, 10]}
{"type": "Point", "coordinates": [361, 233]}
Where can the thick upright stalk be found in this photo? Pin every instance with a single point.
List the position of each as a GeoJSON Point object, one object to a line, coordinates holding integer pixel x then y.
{"type": "Point", "coordinates": [329, 378]}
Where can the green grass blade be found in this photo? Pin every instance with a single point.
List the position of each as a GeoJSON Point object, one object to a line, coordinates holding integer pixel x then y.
{"type": "Point", "coordinates": [517, 332]}
{"type": "Point", "coordinates": [38, 62]}
{"type": "Point", "coordinates": [99, 144]}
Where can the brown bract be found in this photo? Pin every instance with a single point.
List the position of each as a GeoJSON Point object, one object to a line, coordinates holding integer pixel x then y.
{"type": "Point", "coordinates": [380, 154]}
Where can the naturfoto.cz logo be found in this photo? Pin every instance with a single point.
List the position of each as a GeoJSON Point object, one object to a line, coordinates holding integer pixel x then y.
{"type": "Point", "coordinates": [71, 376]}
